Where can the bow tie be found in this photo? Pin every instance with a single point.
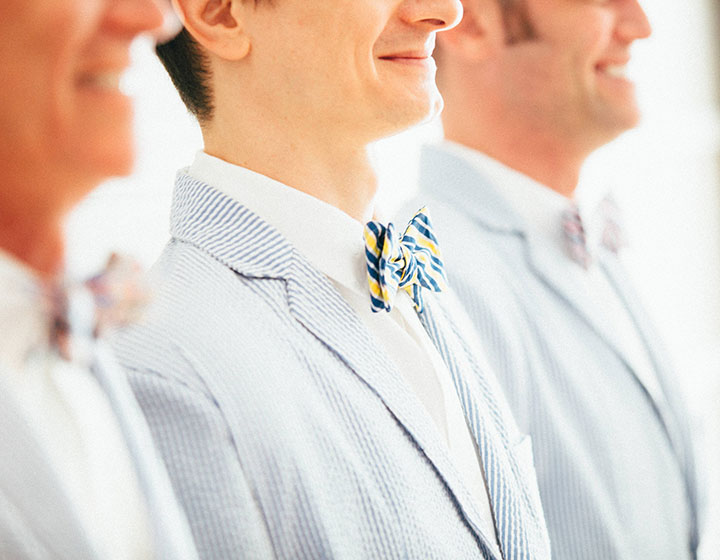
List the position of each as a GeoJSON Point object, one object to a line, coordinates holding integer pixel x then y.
{"type": "Point", "coordinates": [83, 311]}
{"type": "Point", "coordinates": [411, 262]}
{"type": "Point", "coordinates": [574, 233]}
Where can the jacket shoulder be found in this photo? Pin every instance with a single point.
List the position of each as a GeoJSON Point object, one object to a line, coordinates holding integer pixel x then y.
{"type": "Point", "coordinates": [202, 312]}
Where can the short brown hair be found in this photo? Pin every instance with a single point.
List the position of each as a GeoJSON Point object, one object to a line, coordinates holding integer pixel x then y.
{"type": "Point", "coordinates": [187, 66]}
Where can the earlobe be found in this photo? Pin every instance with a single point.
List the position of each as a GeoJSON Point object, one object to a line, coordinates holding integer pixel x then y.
{"type": "Point", "coordinates": [217, 25]}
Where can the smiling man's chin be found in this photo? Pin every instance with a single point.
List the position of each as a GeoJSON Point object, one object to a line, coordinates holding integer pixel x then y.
{"type": "Point", "coordinates": [103, 139]}
{"type": "Point", "coordinates": [616, 116]}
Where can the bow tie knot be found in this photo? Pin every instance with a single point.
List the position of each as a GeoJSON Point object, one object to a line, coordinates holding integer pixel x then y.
{"type": "Point", "coordinates": [111, 299]}
{"type": "Point", "coordinates": [409, 262]}
{"type": "Point", "coordinates": [575, 235]}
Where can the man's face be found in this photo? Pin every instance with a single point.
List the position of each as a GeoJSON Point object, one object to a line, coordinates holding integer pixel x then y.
{"type": "Point", "coordinates": [565, 64]}
{"type": "Point", "coordinates": [61, 64]}
{"type": "Point", "coordinates": [362, 67]}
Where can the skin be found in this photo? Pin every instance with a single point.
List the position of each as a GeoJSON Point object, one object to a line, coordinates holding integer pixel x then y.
{"type": "Point", "coordinates": [65, 126]}
{"type": "Point", "coordinates": [535, 87]}
{"type": "Point", "coordinates": [301, 88]}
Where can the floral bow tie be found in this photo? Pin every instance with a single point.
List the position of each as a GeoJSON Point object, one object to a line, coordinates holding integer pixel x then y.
{"type": "Point", "coordinates": [575, 236]}
{"type": "Point", "coordinates": [411, 262]}
{"type": "Point", "coordinates": [113, 298]}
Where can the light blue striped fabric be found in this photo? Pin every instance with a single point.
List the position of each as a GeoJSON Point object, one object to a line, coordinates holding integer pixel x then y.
{"type": "Point", "coordinates": [518, 515]}
{"type": "Point", "coordinates": [615, 466]}
{"type": "Point", "coordinates": [287, 432]}
{"type": "Point", "coordinates": [38, 519]}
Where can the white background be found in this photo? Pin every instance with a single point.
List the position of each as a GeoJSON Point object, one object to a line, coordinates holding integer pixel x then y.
{"type": "Point", "coordinates": [665, 176]}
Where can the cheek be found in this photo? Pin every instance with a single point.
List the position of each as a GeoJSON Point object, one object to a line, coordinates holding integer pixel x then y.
{"type": "Point", "coordinates": [30, 121]}
{"type": "Point", "coordinates": [99, 138]}
{"type": "Point", "coordinates": [592, 40]}
{"type": "Point", "coordinates": [536, 69]}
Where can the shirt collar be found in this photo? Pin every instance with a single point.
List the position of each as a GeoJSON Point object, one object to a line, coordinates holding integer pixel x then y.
{"type": "Point", "coordinates": [539, 207]}
{"type": "Point", "coordinates": [24, 312]}
{"type": "Point", "coordinates": [327, 237]}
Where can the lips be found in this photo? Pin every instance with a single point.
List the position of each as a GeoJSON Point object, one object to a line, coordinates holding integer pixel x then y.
{"type": "Point", "coordinates": [421, 60]}
{"type": "Point", "coordinates": [407, 55]}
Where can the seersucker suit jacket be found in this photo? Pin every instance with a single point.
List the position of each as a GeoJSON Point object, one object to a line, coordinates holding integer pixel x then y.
{"type": "Point", "coordinates": [37, 519]}
{"type": "Point", "coordinates": [287, 432]}
{"type": "Point", "coordinates": [614, 458]}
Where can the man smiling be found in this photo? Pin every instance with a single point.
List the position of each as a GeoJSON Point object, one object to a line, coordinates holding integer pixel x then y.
{"type": "Point", "coordinates": [532, 88]}
{"type": "Point", "coordinates": [79, 478]}
{"type": "Point", "coordinates": [297, 422]}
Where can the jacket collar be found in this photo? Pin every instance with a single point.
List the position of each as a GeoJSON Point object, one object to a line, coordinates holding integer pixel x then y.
{"type": "Point", "coordinates": [449, 177]}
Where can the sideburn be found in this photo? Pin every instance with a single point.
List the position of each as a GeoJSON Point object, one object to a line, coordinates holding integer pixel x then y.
{"type": "Point", "coordinates": [516, 20]}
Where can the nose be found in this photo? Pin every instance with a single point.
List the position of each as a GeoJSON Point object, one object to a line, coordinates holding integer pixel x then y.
{"type": "Point", "coordinates": [436, 15]}
{"type": "Point", "coordinates": [633, 23]}
{"type": "Point", "coordinates": [132, 17]}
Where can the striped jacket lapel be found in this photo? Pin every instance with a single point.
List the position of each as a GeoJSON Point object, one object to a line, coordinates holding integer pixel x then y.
{"type": "Point", "coordinates": [542, 260]}
{"type": "Point", "coordinates": [518, 515]}
{"type": "Point", "coordinates": [245, 243]}
{"type": "Point", "coordinates": [623, 287]}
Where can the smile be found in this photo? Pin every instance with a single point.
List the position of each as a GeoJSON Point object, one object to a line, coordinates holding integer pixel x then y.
{"type": "Point", "coordinates": [411, 59]}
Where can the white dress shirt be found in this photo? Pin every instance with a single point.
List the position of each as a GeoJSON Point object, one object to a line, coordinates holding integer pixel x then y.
{"type": "Point", "coordinates": [65, 407]}
{"type": "Point", "coordinates": [333, 243]}
{"type": "Point", "coordinates": [542, 209]}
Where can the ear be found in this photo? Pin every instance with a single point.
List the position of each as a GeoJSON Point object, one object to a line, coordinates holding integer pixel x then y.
{"type": "Point", "coordinates": [479, 33]}
{"type": "Point", "coordinates": [217, 25]}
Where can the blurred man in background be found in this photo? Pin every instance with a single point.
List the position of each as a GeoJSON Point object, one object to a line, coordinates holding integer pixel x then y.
{"type": "Point", "coordinates": [531, 89]}
{"type": "Point", "coordinates": [78, 475]}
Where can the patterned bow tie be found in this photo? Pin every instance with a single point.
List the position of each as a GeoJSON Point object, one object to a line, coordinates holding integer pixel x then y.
{"type": "Point", "coordinates": [613, 237]}
{"type": "Point", "coordinates": [113, 298]}
{"type": "Point", "coordinates": [411, 262]}
{"type": "Point", "coordinates": [575, 236]}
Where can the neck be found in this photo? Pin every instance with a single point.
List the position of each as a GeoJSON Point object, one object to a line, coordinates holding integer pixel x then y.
{"type": "Point", "coordinates": [476, 118]}
{"type": "Point", "coordinates": [34, 201]}
{"type": "Point", "coordinates": [541, 159]}
{"type": "Point", "coordinates": [36, 242]}
{"type": "Point", "coordinates": [331, 167]}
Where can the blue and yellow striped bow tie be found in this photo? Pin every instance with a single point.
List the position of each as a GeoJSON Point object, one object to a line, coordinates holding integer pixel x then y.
{"type": "Point", "coordinates": [412, 262]}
